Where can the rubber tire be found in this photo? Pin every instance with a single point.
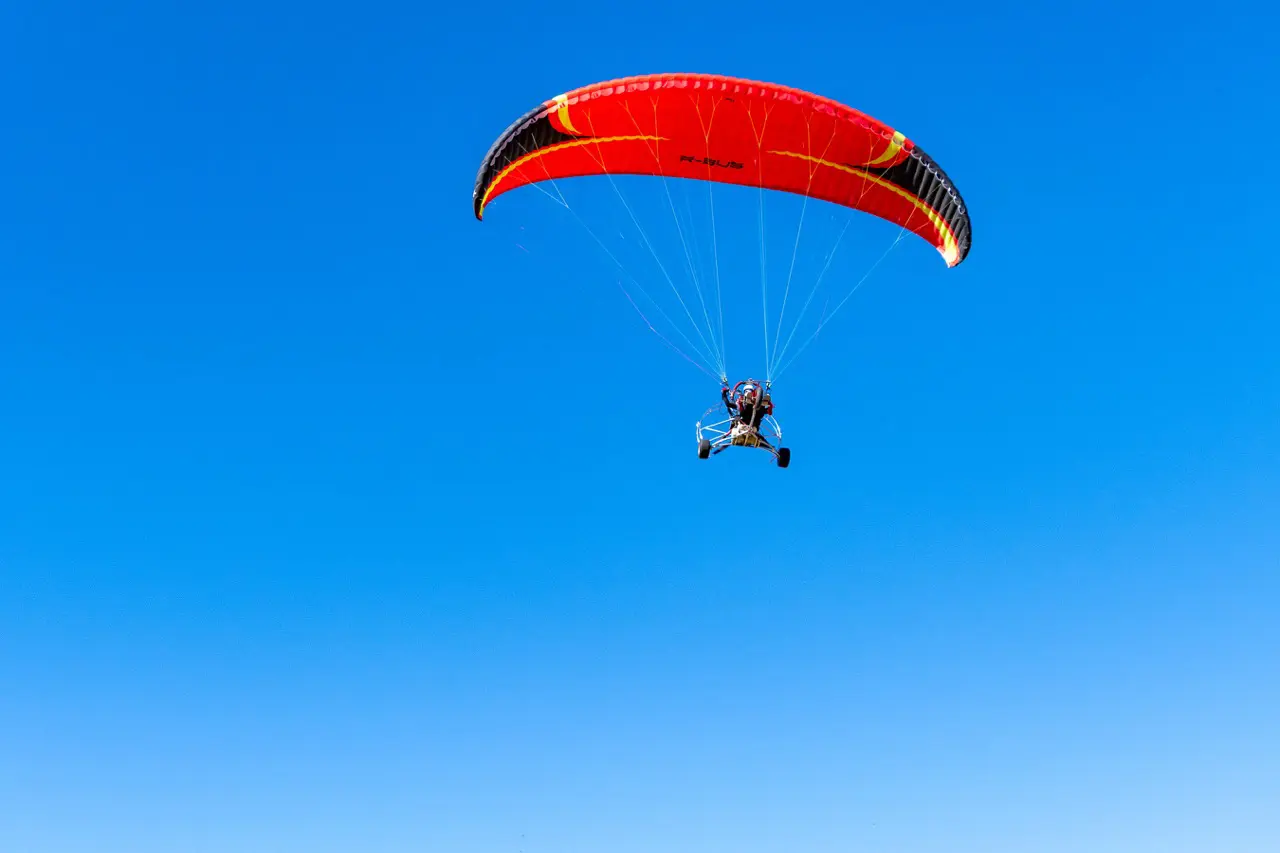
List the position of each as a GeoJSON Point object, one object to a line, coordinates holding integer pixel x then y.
{"type": "Point", "coordinates": [704, 449]}
{"type": "Point", "coordinates": [784, 457]}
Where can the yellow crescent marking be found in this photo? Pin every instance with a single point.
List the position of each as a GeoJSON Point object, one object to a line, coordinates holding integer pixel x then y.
{"type": "Point", "coordinates": [533, 155]}
{"type": "Point", "coordinates": [562, 113]}
{"type": "Point", "coordinates": [895, 145]}
{"type": "Point", "coordinates": [950, 251]}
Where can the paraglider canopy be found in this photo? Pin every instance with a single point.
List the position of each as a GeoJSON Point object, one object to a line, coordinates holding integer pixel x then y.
{"type": "Point", "coordinates": [734, 131]}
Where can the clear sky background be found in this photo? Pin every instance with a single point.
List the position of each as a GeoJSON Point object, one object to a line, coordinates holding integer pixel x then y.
{"type": "Point", "coordinates": [288, 564]}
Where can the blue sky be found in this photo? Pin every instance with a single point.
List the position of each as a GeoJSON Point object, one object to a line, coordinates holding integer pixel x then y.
{"type": "Point", "coordinates": [287, 564]}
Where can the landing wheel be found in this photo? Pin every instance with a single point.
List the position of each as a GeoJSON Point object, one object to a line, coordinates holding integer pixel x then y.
{"type": "Point", "coordinates": [704, 448]}
{"type": "Point", "coordinates": [784, 457]}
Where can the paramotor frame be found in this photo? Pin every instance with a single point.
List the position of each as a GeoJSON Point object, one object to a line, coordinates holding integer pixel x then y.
{"type": "Point", "coordinates": [718, 436]}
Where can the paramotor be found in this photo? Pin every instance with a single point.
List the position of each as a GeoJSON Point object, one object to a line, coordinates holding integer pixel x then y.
{"type": "Point", "coordinates": [721, 130]}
